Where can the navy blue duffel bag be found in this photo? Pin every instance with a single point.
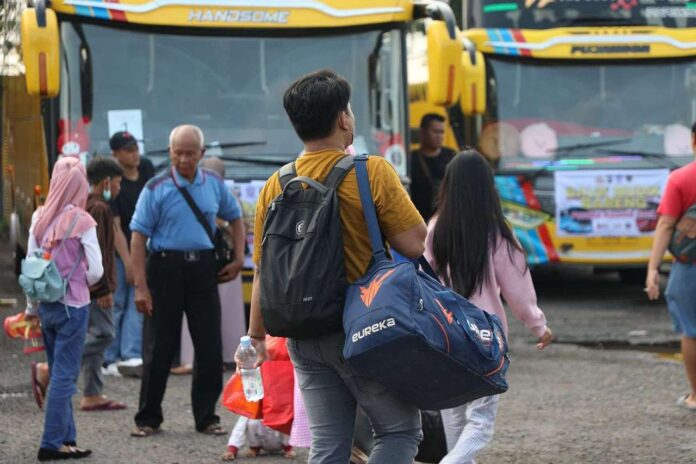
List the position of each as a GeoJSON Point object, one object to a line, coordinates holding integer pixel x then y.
{"type": "Point", "coordinates": [406, 330]}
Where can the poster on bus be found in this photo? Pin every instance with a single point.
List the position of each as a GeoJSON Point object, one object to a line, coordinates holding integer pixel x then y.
{"type": "Point", "coordinates": [247, 194]}
{"type": "Point", "coordinates": [608, 203]}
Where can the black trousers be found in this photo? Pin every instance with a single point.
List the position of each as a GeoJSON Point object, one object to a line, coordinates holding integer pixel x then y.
{"type": "Point", "coordinates": [181, 284]}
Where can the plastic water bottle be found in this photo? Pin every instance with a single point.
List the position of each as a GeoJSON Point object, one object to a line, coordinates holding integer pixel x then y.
{"type": "Point", "coordinates": [251, 376]}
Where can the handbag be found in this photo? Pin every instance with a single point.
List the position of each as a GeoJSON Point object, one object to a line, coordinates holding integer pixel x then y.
{"type": "Point", "coordinates": [234, 400]}
{"type": "Point", "coordinates": [404, 329]}
{"type": "Point", "coordinates": [682, 245]}
{"type": "Point", "coordinates": [224, 254]}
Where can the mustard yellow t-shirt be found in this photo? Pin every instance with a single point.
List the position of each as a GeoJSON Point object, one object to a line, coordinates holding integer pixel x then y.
{"type": "Point", "coordinates": [395, 211]}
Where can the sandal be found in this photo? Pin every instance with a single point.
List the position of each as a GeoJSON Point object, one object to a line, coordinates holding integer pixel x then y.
{"type": "Point", "coordinates": [144, 431]}
{"type": "Point", "coordinates": [108, 405]}
{"type": "Point", "coordinates": [214, 429]}
{"type": "Point", "coordinates": [681, 402]}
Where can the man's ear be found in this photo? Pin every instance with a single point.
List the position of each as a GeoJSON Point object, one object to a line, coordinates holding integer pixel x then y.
{"type": "Point", "coordinates": [343, 120]}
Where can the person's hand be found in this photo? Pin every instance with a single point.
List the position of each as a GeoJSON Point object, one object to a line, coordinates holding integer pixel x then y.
{"type": "Point", "coordinates": [106, 301]}
{"type": "Point", "coordinates": [545, 339]}
{"type": "Point", "coordinates": [32, 320]}
{"type": "Point", "coordinates": [652, 284]}
{"type": "Point", "coordinates": [230, 272]}
{"type": "Point", "coordinates": [261, 353]}
{"type": "Point", "coordinates": [143, 300]}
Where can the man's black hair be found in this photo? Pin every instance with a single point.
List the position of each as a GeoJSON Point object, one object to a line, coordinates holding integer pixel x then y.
{"type": "Point", "coordinates": [693, 130]}
{"type": "Point", "coordinates": [429, 118]}
{"type": "Point", "coordinates": [314, 101]}
{"type": "Point", "coordinates": [101, 167]}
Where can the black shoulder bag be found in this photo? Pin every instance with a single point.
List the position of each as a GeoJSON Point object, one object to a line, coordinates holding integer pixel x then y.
{"type": "Point", "coordinates": [224, 255]}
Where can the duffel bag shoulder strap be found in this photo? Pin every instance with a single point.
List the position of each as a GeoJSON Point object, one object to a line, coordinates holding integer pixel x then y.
{"type": "Point", "coordinates": [368, 205]}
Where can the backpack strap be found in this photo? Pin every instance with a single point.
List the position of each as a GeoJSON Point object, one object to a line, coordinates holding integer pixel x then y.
{"type": "Point", "coordinates": [339, 171]}
{"type": "Point", "coordinates": [368, 204]}
{"type": "Point", "coordinates": [286, 174]}
{"type": "Point", "coordinates": [72, 225]}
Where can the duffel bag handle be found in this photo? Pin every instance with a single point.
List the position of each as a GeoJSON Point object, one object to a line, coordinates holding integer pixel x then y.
{"type": "Point", "coordinates": [427, 268]}
{"type": "Point", "coordinates": [368, 205]}
{"type": "Point", "coordinates": [463, 321]}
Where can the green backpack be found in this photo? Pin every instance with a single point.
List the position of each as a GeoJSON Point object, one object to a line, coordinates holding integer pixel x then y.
{"type": "Point", "coordinates": [683, 243]}
{"type": "Point", "coordinates": [40, 278]}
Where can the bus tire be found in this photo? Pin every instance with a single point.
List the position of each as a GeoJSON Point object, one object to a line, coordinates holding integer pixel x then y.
{"type": "Point", "coordinates": [633, 276]}
{"type": "Point", "coordinates": [18, 257]}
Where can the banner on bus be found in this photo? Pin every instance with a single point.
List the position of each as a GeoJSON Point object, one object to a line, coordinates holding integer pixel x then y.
{"type": "Point", "coordinates": [608, 202]}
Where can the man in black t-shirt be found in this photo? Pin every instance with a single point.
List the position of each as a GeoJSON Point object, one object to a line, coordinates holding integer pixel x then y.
{"type": "Point", "coordinates": [125, 353]}
{"type": "Point", "coordinates": [428, 164]}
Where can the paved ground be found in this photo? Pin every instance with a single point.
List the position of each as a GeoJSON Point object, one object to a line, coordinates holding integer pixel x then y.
{"type": "Point", "coordinates": [568, 404]}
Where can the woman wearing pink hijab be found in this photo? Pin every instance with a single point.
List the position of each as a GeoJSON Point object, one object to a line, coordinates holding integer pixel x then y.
{"type": "Point", "coordinates": [64, 323]}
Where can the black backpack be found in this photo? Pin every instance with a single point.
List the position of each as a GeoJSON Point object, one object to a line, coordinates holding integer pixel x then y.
{"type": "Point", "coordinates": [303, 282]}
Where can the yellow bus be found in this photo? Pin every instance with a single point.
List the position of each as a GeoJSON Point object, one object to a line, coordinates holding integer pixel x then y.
{"type": "Point", "coordinates": [94, 67]}
{"type": "Point", "coordinates": [583, 107]}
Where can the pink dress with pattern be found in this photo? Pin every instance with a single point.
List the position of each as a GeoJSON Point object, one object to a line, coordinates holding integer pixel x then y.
{"type": "Point", "coordinates": [300, 436]}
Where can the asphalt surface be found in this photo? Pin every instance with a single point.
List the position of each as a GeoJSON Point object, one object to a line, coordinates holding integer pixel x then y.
{"type": "Point", "coordinates": [566, 404]}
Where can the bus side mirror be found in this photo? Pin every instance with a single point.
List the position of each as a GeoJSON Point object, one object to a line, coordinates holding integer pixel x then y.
{"type": "Point", "coordinates": [444, 65]}
{"type": "Point", "coordinates": [472, 100]}
{"type": "Point", "coordinates": [41, 50]}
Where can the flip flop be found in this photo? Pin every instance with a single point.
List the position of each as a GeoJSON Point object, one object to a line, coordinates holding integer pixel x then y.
{"type": "Point", "coordinates": [36, 387]}
{"type": "Point", "coordinates": [109, 405]}
{"type": "Point", "coordinates": [214, 429]}
{"type": "Point", "coordinates": [143, 432]}
{"type": "Point", "coordinates": [681, 402]}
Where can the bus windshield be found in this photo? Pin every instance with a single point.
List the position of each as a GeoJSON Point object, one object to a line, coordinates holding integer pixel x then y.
{"type": "Point", "coordinates": [544, 14]}
{"type": "Point", "coordinates": [543, 109]}
{"type": "Point", "coordinates": [147, 82]}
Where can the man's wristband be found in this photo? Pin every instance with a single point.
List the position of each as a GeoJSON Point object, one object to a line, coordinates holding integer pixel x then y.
{"type": "Point", "coordinates": [257, 337]}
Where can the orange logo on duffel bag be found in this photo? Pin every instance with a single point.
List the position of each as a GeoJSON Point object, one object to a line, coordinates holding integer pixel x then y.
{"type": "Point", "coordinates": [368, 293]}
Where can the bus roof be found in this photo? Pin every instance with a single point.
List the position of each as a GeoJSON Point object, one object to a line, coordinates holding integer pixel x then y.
{"type": "Point", "coordinates": [242, 14]}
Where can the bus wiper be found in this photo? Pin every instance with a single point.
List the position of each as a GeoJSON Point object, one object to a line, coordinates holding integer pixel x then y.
{"type": "Point", "coordinates": [213, 145]}
{"type": "Point", "coordinates": [664, 160]}
{"type": "Point", "coordinates": [604, 143]}
{"type": "Point", "coordinates": [597, 21]}
{"type": "Point", "coordinates": [260, 160]}
{"type": "Point", "coordinates": [568, 151]}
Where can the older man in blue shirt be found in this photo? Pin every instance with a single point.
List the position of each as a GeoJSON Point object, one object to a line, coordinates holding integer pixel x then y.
{"type": "Point", "coordinates": [182, 276]}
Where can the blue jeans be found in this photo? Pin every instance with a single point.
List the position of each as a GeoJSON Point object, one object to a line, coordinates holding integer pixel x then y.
{"type": "Point", "coordinates": [64, 330]}
{"type": "Point", "coordinates": [128, 322]}
{"type": "Point", "coordinates": [331, 392]}
{"type": "Point", "coordinates": [681, 298]}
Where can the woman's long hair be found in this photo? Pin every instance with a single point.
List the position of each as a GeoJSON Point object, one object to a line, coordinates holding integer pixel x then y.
{"type": "Point", "coordinates": [470, 223]}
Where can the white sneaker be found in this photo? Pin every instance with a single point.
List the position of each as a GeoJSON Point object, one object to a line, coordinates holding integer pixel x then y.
{"type": "Point", "coordinates": [111, 369]}
{"type": "Point", "coordinates": [131, 367]}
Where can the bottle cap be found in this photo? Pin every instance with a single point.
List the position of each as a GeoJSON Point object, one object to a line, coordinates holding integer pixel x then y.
{"type": "Point", "coordinates": [245, 341]}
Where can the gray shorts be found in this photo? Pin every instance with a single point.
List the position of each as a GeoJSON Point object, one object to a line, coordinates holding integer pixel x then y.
{"type": "Point", "coordinates": [681, 298]}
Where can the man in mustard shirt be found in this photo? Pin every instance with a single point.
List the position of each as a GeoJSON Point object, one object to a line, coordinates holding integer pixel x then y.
{"type": "Point", "coordinates": [319, 109]}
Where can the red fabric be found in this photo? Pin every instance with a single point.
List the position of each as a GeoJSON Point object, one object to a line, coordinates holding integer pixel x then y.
{"type": "Point", "coordinates": [278, 388]}
{"type": "Point", "coordinates": [278, 376]}
{"type": "Point", "coordinates": [234, 400]}
{"type": "Point", "coordinates": [680, 192]}
{"type": "Point", "coordinates": [277, 348]}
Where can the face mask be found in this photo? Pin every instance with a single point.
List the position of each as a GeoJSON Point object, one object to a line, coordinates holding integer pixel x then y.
{"type": "Point", "coordinates": [106, 193]}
